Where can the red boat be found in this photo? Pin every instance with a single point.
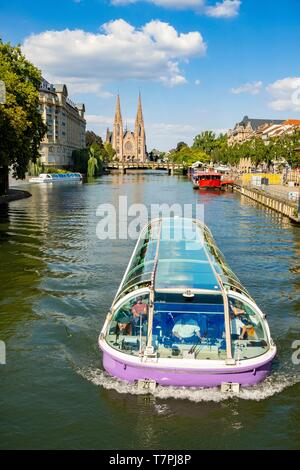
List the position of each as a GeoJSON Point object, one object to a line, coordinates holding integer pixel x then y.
{"type": "Point", "coordinates": [209, 180]}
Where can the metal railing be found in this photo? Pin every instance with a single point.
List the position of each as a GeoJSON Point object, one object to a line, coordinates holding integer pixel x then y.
{"type": "Point", "coordinates": [285, 194]}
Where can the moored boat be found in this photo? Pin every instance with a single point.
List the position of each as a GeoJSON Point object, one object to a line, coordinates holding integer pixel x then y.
{"type": "Point", "coordinates": [56, 178]}
{"type": "Point", "coordinates": [181, 316]}
{"type": "Point", "coordinates": [209, 180]}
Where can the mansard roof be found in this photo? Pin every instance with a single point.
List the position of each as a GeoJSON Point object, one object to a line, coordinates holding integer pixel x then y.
{"type": "Point", "coordinates": [256, 123]}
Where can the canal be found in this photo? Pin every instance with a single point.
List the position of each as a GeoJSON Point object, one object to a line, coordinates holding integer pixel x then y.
{"type": "Point", "coordinates": [57, 281]}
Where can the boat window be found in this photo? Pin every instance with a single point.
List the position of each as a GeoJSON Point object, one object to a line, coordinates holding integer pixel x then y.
{"type": "Point", "coordinates": [168, 297]}
{"type": "Point", "coordinates": [141, 266]}
{"type": "Point", "coordinates": [127, 331]}
{"type": "Point", "coordinates": [248, 335]}
{"type": "Point", "coordinates": [189, 331]}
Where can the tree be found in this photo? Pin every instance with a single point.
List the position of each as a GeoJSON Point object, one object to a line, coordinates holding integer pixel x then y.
{"type": "Point", "coordinates": [206, 141]}
{"type": "Point", "coordinates": [80, 160]}
{"type": "Point", "coordinates": [155, 155]}
{"type": "Point", "coordinates": [181, 145]}
{"type": "Point", "coordinates": [110, 153]}
{"type": "Point", "coordinates": [92, 161]}
{"type": "Point", "coordinates": [21, 124]}
{"type": "Point", "coordinates": [92, 138]}
{"type": "Point", "coordinates": [186, 156]}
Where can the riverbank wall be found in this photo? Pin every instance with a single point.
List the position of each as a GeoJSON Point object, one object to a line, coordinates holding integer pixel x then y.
{"type": "Point", "coordinates": [14, 195]}
{"type": "Point", "coordinates": [284, 207]}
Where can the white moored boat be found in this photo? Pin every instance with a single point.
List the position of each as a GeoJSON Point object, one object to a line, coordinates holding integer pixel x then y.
{"type": "Point", "coordinates": [56, 178]}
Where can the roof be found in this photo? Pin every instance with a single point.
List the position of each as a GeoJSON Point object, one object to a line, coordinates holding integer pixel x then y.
{"type": "Point", "coordinates": [61, 88]}
{"type": "Point", "coordinates": [80, 106]}
{"type": "Point", "coordinates": [256, 123]}
{"type": "Point", "coordinates": [183, 260]}
{"type": "Point", "coordinates": [208, 173]}
{"type": "Point", "coordinates": [177, 253]}
{"type": "Point", "coordinates": [292, 122]}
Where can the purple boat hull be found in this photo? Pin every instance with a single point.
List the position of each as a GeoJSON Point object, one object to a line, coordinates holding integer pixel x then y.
{"type": "Point", "coordinates": [180, 377]}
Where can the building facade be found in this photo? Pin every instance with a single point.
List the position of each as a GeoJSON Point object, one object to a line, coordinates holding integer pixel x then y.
{"type": "Point", "coordinates": [248, 128]}
{"type": "Point", "coordinates": [129, 146]}
{"type": "Point", "coordinates": [65, 125]}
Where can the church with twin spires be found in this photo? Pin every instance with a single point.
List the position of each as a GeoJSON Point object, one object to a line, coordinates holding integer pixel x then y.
{"type": "Point", "coordinates": [129, 146]}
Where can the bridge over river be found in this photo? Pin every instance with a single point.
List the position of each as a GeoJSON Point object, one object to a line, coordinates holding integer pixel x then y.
{"type": "Point", "coordinates": [171, 168]}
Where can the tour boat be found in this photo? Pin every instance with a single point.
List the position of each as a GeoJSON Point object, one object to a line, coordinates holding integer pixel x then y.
{"type": "Point", "coordinates": [56, 177]}
{"type": "Point", "coordinates": [209, 180]}
{"type": "Point", "coordinates": [182, 318]}
{"type": "Point", "coordinates": [195, 181]}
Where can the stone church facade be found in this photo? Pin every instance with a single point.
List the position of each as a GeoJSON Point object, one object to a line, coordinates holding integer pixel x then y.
{"type": "Point", "coordinates": [129, 146]}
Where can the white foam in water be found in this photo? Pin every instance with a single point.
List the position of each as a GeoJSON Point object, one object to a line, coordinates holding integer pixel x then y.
{"type": "Point", "coordinates": [274, 384]}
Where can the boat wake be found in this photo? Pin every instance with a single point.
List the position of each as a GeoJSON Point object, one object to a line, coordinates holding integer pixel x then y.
{"type": "Point", "coordinates": [273, 385]}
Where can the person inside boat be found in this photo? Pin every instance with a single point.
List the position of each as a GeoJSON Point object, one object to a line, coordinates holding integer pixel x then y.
{"type": "Point", "coordinates": [124, 322]}
{"type": "Point", "coordinates": [186, 327]}
{"type": "Point", "coordinates": [237, 309]}
{"type": "Point", "coordinates": [237, 327]}
{"type": "Point", "coordinates": [139, 314]}
{"type": "Point", "coordinates": [241, 327]}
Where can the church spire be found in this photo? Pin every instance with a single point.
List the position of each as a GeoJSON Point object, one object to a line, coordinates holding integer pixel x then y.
{"type": "Point", "coordinates": [139, 114]}
{"type": "Point", "coordinates": [117, 139]}
{"type": "Point", "coordinates": [139, 133]}
{"type": "Point", "coordinates": [118, 114]}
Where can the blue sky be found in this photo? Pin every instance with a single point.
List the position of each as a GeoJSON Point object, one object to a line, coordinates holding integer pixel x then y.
{"type": "Point", "coordinates": [200, 64]}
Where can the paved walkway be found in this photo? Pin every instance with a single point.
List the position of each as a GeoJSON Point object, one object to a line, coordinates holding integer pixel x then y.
{"type": "Point", "coordinates": [281, 192]}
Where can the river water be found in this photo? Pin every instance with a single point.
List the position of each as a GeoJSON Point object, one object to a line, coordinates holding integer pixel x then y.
{"type": "Point", "coordinates": [57, 282]}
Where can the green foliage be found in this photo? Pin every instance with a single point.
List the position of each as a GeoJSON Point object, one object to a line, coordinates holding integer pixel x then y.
{"type": "Point", "coordinates": [61, 171]}
{"type": "Point", "coordinates": [21, 125]}
{"type": "Point", "coordinates": [256, 149]}
{"type": "Point", "coordinates": [155, 155]}
{"type": "Point", "coordinates": [208, 142]}
{"type": "Point", "coordinates": [181, 145]}
{"type": "Point", "coordinates": [186, 156]}
{"type": "Point", "coordinates": [94, 160]}
{"type": "Point", "coordinates": [34, 169]}
{"type": "Point", "coordinates": [109, 154]}
{"type": "Point", "coordinates": [80, 160]}
{"type": "Point", "coordinates": [92, 138]}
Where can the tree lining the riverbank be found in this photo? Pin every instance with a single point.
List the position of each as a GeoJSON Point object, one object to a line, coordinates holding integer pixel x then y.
{"type": "Point", "coordinates": [21, 124]}
{"type": "Point", "coordinates": [208, 147]}
{"type": "Point", "coordinates": [93, 159]}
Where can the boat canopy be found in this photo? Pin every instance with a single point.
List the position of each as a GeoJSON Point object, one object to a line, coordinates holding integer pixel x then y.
{"type": "Point", "coordinates": [178, 254]}
{"type": "Point", "coordinates": [64, 175]}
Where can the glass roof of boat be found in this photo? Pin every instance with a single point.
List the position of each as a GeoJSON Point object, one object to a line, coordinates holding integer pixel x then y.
{"type": "Point", "coordinates": [188, 258]}
{"type": "Point", "coordinates": [183, 259]}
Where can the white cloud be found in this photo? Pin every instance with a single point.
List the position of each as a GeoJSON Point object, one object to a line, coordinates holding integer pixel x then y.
{"type": "Point", "coordinates": [165, 135]}
{"type": "Point", "coordinates": [86, 61]}
{"type": "Point", "coordinates": [224, 9]}
{"type": "Point", "coordinates": [286, 94]}
{"type": "Point", "coordinates": [253, 88]}
{"type": "Point", "coordinates": [165, 3]}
